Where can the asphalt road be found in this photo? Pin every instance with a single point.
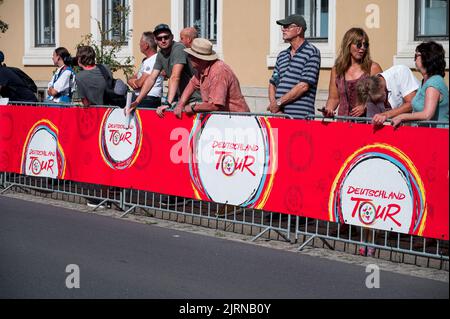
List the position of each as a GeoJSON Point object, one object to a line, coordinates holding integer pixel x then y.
{"type": "Point", "coordinates": [122, 259]}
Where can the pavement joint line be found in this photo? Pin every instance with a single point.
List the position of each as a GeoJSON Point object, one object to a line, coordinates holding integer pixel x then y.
{"type": "Point", "coordinates": [345, 257]}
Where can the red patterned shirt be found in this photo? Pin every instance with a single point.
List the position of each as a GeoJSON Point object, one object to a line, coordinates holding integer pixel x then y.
{"type": "Point", "coordinates": [219, 85]}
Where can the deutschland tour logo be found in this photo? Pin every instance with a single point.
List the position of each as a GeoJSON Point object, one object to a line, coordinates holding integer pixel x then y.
{"type": "Point", "coordinates": [42, 154]}
{"type": "Point", "coordinates": [232, 159]}
{"type": "Point", "coordinates": [120, 138]}
{"type": "Point", "coordinates": [379, 186]}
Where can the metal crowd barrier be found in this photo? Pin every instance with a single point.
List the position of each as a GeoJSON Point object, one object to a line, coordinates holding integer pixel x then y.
{"type": "Point", "coordinates": [302, 231]}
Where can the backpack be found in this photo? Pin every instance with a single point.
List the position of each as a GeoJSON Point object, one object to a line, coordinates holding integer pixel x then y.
{"type": "Point", "coordinates": [66, 95]}
{"type": "Point", "coordinates": [115, 91]}
{"type": "Point", "coordinates": [29, 83]}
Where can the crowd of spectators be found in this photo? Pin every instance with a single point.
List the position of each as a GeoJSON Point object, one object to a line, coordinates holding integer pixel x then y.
{"type": "Point", "coordinates": [198, 81]}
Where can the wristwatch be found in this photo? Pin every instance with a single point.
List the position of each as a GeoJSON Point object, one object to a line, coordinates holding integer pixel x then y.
{"type": "Point", "coordinates": [169, 104]}
{"type": "Point", "coordinates": [278, 102]}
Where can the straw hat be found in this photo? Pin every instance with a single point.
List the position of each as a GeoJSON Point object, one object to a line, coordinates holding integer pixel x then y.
{"type": "Point", "coordinates": [202, 49]}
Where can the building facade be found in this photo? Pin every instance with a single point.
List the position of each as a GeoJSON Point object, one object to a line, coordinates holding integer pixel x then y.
{"type": "Point", "coordinates": [244, 33]}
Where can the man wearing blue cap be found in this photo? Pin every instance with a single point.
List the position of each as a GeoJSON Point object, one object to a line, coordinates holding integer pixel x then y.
{"type": "Point", "coordinates": [293, 86]}
{"type": "Point", "coordinates": [174, 62]}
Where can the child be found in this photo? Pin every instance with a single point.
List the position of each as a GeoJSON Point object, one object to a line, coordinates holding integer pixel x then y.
{"type": "Point", "coordinates": [62, 84]}
{"type": "Point", "coordinates": [373, 94]}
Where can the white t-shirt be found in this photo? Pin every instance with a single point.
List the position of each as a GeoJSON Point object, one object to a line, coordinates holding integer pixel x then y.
{"type": "Point", "coordinates": [400, 82]}
{"type": "Point", "coordinates": [147, 67]}
{"type": "Point", "coordinates": [62, 84]}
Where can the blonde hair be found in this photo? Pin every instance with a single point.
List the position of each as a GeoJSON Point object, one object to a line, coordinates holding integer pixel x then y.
{"type": "Point", "coordinates": [344, 60]}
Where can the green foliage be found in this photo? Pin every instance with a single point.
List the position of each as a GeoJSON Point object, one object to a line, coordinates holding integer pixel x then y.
{"type": "Point", "coordinates": [3, 25]}
{"type": "Point", "coordinates": [107, 48]}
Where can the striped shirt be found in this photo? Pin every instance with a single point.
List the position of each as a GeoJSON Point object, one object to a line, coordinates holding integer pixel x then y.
{"type": "Point", "coordinates": [289, 71]}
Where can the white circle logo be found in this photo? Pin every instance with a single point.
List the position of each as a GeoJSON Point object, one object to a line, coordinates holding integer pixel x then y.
{"type": "Point", "coordinates": [230, 158]}
{"type": "Point", "coordinates": [120, 138]}
{"type": "Point", "coordinates": [375, 193]}
{"type": "Point", "coordinates": [42, 154]}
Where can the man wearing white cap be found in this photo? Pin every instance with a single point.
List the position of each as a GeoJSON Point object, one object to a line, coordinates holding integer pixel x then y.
{"type": "Point", "coordinates": [218, 85]}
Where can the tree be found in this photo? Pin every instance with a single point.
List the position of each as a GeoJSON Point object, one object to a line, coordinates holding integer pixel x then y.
{"type": "Point", "coordinates": [3, 25]}
{"type": "Point", "coordinates": [107, 48]}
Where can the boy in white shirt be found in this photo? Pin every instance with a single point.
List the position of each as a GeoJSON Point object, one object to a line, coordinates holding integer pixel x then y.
{"type": "Point", "coordinates": [400, 85]}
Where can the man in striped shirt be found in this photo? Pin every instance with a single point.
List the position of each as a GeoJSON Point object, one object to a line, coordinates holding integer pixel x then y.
{"type": "Point", "coordinates": [293, 86]}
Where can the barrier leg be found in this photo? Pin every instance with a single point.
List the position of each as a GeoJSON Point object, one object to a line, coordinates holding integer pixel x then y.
{"type": "Point", "coordinates": [306, 243]}
{"type": "Point", "coordinates": [7, 188]}
{"type": "Point", "coordinates": [122, 199]}
{"type": "Point", "coordinates": [310, 239]}
{"type": "Point", "coordinates": [100, 204]}
{"type": "Point", "coordinates": [285, 237]}
{"type": "Point", "coordinates": [128, 211]}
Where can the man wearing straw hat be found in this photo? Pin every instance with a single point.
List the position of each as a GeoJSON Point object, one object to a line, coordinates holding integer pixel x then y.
{"type": "Point", "coordinates": [218, 85]}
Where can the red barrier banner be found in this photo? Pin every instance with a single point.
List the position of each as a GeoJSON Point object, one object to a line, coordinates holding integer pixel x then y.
{"type": "Point", "coordinates": [395, 180]}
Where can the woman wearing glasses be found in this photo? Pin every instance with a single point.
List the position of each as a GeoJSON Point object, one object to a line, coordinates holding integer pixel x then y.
{"type": "Point", "coordinates": [431, 100]}
{"type": "Point", "coordinates": [353, 64]}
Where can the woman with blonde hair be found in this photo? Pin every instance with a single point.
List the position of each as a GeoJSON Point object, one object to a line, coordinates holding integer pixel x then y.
{"type": "Point", "coordinates": [352, 65]}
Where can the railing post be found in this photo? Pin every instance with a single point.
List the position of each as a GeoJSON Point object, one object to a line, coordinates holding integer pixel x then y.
{"type": "Point", "coordinates": [122, 198]}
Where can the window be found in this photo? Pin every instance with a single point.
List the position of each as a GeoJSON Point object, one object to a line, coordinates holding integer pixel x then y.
{"type": "Point", "coordinates": [320, 16]}
{"type": "Point", "coordinates": [431, 20]}
{"type": "Point", "coordinates": [41, 31]}
{"type": "Point", "coordinates": [315, 13]}
{"type": "Point", "coordinates": [114, 22]}
{"type": "Point", "coordinates": [105, 12]}
{"type": "Point", "coordinates": [202, 14]}
{"type": "Point", "coordinates": [418, 21]}
{"type": "Point", "coordinates": [44, 19]}
{"type": "Point", "coordinates": [205, 15]}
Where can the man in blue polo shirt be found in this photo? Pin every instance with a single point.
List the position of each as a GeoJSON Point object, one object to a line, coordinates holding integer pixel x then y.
{"type": "Point", "coordinates": [293, 85]}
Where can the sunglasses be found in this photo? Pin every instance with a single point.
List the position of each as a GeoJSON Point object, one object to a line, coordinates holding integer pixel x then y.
{"type": "Point", "coordinates": [289, 26]}
{"type": "Point", "coordinates": [359, 45]}
{"type": "Point", "coordinates": [163, 37]}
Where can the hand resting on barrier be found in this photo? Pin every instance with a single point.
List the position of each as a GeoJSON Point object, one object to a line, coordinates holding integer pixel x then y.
{"type": "Point", "coordinates": [161, 109]}
{"type": "Point", "coordinates": [379, 119]}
